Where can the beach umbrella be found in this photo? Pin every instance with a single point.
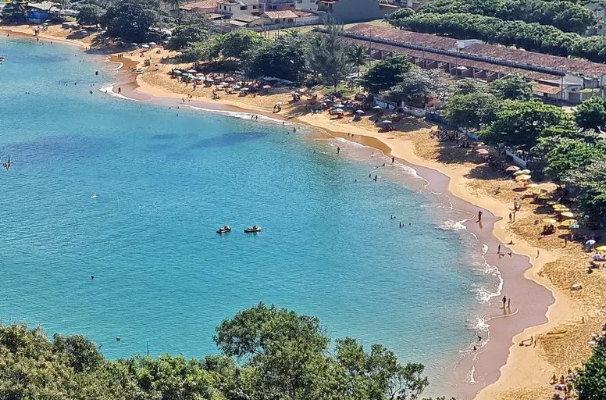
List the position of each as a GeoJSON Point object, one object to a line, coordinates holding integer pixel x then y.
{"type": "Point", "coordinates": [359, 112]}
{"type": "Point", "coordinates": [601, 248]}
{"type": "Point", "coordinates": [482, 152]}
{"type": "Point", "coordinates": [512, 168]}
{"type": "Point", "coordinates": [236, 87]}
{"type": "Point", "coordinates": [533, 185]}
{"type": "Point", "coordinates": [590, 242]}
{"type": "Point", "coordinates": [377, 108]}
{"type": "Point", "coordinates": [575, 226]}
{"type": "Point", "coordinates": [244, 89]}
{"type": "Point", "coordinates": [522, 178]}
{"type": "Point", "coordinates": [200, 74]}
{"type": "Point", "coordinates": [229, 79]}
{"type": "Point", "coordinates": [145, 46]}
{"type": "Point", "coordinates": [191, 71]}
{"type": "Point", "coordinates": [549, 221]}
{"type": "Point", "coordinates": [266, 86]}
{"type": "Point", "coordinates": [567, 214]}
{"type": "Point", "coordinates": [519, 172]}
{"type": "Point", "coordinates": [525, 171]}
{"type": "Point", "coordinates": [208, 80]}
{"type": "Point", "coordinates": [569, 223]}
{"type": "Point", "coordinates": [338, 106]}
{"type": "Point", "coordinates": [386, 122]}
{"type": "Point", "coordinates": [338, 111]}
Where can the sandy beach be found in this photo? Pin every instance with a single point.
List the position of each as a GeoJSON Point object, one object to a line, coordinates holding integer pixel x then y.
{"type": "Point", "coordinates": [537, 276]}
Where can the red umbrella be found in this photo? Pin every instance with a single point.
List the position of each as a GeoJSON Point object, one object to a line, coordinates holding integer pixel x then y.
{"type": "Point", "coordinates": [512, 168]}
{"type": "Point", "coordinates": [482, 152]}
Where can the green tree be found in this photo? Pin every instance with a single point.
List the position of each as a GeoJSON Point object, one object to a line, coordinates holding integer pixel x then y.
{"type": "Point", "coordinates": [327, 55]}
{"type": "Point", "coordinates": [240, 45]}
{"type": "Point", "coordinates": [587, 188]}
{"type": "Point", "coordinates": [131, 19]}
{"type": "Point", "coordinates": [187, 36]}
{"type": "Point", "coordinates": [82, 354]}
{"type": "Point", "coordinates": [473, 110]}
{"type": "Point", "coordinates": [417, 86]}
{"type": "Point", "coordinates": [591, 382]}
{"type": "Point", "coordinates": [571, 154]}
{"type": "Point", "coordinates": [512, 87]}
{"type": "Point", "coordinates": [467, 86]}
{"type": "Point", "coordinates": [386, 74]}
{"type": "Point", "coordinates": [283, 58]}
{"type": "Point", "coordinates": [591, 114]}
{"type": "Point", "coordinates": [283, 346]}
{"type": "Point", "coordinates": [520, 123]}
{"type": "Point", "coordinates": [357, 56]}
{"type": "Point", "coordinates": [90, 14]}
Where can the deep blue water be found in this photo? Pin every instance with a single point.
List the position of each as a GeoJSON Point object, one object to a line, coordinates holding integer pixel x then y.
{"type": "Point", "coordinates": [165, 183]}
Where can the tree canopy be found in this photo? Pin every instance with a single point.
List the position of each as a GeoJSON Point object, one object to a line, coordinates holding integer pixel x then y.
{"type": "Point", "coordinates": [131, 19]}
{"type": "Point", "coordinates": [520, 123]}
{"type": "Point", "coordinates": [591, 382]}
{"type": "Point", "coordinates": [472, 110]}
{"type": "Point", "coordinates": [327, 55]}
{"type": "Point", "coordinates": [564, 15]}
{"type": "Point", "coordinates": [267, 354]}
{"type": "Point", "coordinates": [417, 86]}
{"type": "Point", "coordinates": [385, 74]}
{"type": "Point", "coordinates": [591, 114]}
{"type": "Point", "coordinates": [512, 87]}
{"type": "Point", "coordinates": [283, 58]}
{"type": "Point", "coordinates": [90, 14]}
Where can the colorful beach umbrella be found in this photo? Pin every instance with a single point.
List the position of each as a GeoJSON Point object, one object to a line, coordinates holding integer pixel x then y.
{"type": "Point", "coordinates": [549, 221]}
{"type": "Point", "coordinates": [567, 214]}
{"type": "Point", "coordinates": [532, 185]}
{"type": "Point", "coordinates": [512, 168]}
{"type": "Point", "coordinates": [601, 248]}
{"type": "Point", "coordinates": [521, 178]}
{"type": "Point", "coordinates": [569, 222]}
{"type": "Point", "coordinates": [482, 152]}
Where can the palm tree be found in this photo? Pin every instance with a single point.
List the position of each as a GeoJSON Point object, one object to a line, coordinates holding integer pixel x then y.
{"type": "Point", "coordinates": [357, 55]}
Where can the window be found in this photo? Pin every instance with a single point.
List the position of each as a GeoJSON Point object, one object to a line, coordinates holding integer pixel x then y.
{"type": "Point", "coordinates": [255, 7]}
{"type": "Point", "coordinates": [243, 8]}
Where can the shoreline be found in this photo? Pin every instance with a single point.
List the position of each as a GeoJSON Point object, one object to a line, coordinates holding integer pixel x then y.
{"type": "Point", "coordinates": [501, 361]}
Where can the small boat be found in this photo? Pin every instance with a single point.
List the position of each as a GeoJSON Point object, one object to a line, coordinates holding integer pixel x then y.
{"type": "Point", "coordinates": [224, 229]}
{"type": "Point", "coordinates": [253, 229]}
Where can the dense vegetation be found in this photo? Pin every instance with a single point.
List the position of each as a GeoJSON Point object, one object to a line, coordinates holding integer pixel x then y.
{"type": "Point", "coordinates": [564, 15]}
{"type": "Point", "coordinates": [266, 354]}
{"type": "Point", "coordinates": [567, 148]}
{"type": "Point", "coordinates": [591, 382]}
{"type": "Point", "coordinates": [529, 36]}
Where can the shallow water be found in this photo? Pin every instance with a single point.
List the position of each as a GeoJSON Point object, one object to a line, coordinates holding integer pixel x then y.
{"type": "Point", "coordinates": [132, 194]}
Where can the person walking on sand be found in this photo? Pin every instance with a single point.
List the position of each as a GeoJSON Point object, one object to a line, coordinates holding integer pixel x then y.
{"type": "Point", "coordinates": [509, 303]}
{"type": "Point", "coordinates": [338, 150]}
{"type": "Point", "coordinates": [499, 249]}
{"type": "Point", "coordinates": [504, 300]}
{"type": "Point", "coordinates": [480, 216]}
{"type": "Point", "coordinates": [510, 217]}
{"type": "Point", "coordinates": [537, 253]}
{"type": "Point", "coordinates": [393, 159]}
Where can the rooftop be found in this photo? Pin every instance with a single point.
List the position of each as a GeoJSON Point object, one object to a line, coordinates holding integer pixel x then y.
{"type": "Point", "coordinates": [280, 14]}
{"type": "Point", "coordinates": [204, 5]}
{"type": "Point", "coordinates": [486, 50]}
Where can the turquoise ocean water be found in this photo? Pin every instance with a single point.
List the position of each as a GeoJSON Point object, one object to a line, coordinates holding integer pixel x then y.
{"type": "Point", "coordinates": [164, 183]}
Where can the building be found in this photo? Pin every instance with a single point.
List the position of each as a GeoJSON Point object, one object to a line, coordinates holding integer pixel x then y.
{"type": "Point", "coordinates": [280, 17]}
{"type": "Point", "coordinates": [554, 78]}
{"type": "Point", "coordinates": [234, 8]}
{"type": "Point", "coordinates": [348, 11]}
{"type": "Point", "coordinates": [205, 6]}
{"type": "Point", "coordinates": [277, 5]}
{"type": "Point", "coordinates": [307, 5]}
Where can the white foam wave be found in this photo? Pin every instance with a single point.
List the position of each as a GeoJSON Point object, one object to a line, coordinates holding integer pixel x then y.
{"type": "Point", "coordinates": [109, 89]}
{"type": "Point", "coordinates": [470, 375]}
{"type": "Point", "coordinates": [242, 115]}
{"type": "Point", "coordinates": [450, 225]}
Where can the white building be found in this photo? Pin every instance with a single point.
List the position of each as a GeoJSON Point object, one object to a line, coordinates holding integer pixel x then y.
{"type": "Point", "coordinates": [307, 5]}
{"type": "Point", "coordinates": [234, 8]}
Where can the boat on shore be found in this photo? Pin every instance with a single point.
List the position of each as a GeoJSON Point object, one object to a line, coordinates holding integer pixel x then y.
{"type": "Point", "coordinates": [253, 229]}
{"type": "Point", "coordinates": [224, 229]}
